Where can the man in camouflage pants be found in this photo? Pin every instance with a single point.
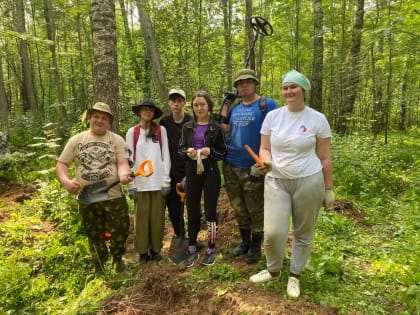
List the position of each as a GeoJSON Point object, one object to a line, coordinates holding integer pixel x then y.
{"type": "Point", "coordinates": [96, 219]}
{"type": "Point", "coordinates": [245, 189]}
{"type": "Point", "coordinates": [99, 156]}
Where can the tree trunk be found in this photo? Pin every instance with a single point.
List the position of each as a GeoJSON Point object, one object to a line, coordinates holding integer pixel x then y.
{"type": "Point", "coordinates": [129, 40]}
{"type": "Point", "coordinates": [341, 62]}
{"type": "Point", "coordinates": [105, 69]}
{"type": "Point", "coordinates": [377, 58]}
{"type": "Point", "coordinates": [317, 65]}
{"type": "Point", "coordinates": [27, 87]}
{"type": "Point", "coordinates": [296, 54]}
{"type": "Point", "coordinates": [250, 34]}
{"type": "Point", "coordinates": [227, 27]}
{"type": "Point", "coordinates": [389, 74]}
{"type": "Point", "coordinates": [199, 42]}
{"type": "Point", "coordinates": [4, 106]}
{"type": "Point", "coordinates": [51, 32]}
{"type": "Point", "coordinates": [152, 50]}
{"type": "Point", "coordinates": [378, 110]}
{"type": "Point", "coordinates": [351, 87]}
{"type": "Point", "coordinates": [82, 61]}
{"type": "Point", "coordinates": [403, 102]}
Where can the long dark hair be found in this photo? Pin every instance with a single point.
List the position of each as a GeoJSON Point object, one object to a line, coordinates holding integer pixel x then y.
{"type": "Point", "coordinates": [152, 128]}
{"type": "Point", "coordinates": [209, 101]}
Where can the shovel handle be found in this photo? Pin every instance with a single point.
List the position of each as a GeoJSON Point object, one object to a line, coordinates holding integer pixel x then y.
{"type": "Point", "coordinates": [104, 189]}
{"type": "Point", "coordinates": [140, 171]}
{"type": "Point", "coordinates": [180, 193]}
{"type": "Point", "coordinates": [256, 158]}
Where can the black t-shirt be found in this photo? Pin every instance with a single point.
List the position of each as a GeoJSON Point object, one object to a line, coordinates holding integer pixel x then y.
{"type": "Point", "coordinates": [174, 131]}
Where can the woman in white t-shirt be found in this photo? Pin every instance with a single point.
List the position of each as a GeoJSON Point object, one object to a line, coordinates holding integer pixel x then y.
{"type": "Point", "coordinates": [296, 150]}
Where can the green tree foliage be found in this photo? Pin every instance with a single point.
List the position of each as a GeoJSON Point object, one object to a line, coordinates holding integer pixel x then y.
{"type": "Point", "coordinates": [190, 38]}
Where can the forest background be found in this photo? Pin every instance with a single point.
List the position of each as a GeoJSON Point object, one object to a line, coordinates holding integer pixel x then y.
{"type": "Point", "coordinates": [58, 57]}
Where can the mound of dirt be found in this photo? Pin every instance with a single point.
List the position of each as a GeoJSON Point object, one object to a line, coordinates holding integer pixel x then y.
{"type": "Point", "coordinates": [11, 193]}
{"type": "Point", "coordinates": [348, 208]}
{"type": "Point", "coordinates": [15, 192]}
{"type": "Point", "coordinates": [162, 288]}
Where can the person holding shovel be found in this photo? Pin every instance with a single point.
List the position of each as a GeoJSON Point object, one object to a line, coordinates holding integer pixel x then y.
{"type": "Point", "coordinates": [148, 140]}
{"type": "Point", "coordinates": [173, 124]}
{"type": "Point", "coordinates": [296, 150]}
{"type": "Point", "coordinates": [244, 188]}
{"type": "Point", "coordinates": [99, 155]}
{"type": "Point", "coordinates": [203, 145]}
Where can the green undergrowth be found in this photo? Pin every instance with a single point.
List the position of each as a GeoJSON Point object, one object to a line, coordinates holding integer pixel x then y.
{"type": "Point", "coordinates": [367, 264]}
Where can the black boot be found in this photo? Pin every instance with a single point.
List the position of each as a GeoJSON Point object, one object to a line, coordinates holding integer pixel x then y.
{"type": "Point", "coordinates": [242, 248]}
{"type": "Point", "coordinates": [118, 264]}
{"type": "Point", "coordinates": [254, 253]}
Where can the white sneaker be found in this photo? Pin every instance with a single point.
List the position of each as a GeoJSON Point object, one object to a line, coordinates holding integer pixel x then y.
{"type": "Point", "coordinates": [293, 287]}
{"type": "Point", "coordinates": [262, 276]}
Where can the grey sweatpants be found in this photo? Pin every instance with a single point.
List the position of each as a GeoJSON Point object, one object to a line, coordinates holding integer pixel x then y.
{"type": "Point", "coordinates": [300, 199]}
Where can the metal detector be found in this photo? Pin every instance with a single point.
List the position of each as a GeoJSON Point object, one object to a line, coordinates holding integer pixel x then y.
{"type": "Point", "coordinates": [261, 27]}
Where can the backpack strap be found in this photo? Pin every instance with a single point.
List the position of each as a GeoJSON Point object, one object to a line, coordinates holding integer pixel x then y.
{"type": "Point", "coordinates": [262, 103]}
{"type": "Point", "coordinates": [136, 136]}
{"type": "Point", "coordinates": [159, 136]}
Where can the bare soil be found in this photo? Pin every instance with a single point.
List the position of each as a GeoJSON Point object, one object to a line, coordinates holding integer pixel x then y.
{"type": "Point", "coordinates": [11, 193]}
{"type": "Point", "coordinates": [163, 288]}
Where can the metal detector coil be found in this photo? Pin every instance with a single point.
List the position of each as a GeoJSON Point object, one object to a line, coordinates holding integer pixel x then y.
{"type": "Point", "coordinates": [261, 27]}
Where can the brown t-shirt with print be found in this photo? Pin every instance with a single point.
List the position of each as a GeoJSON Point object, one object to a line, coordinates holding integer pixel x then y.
{"type": "Point", "coordinates": [95, 158]}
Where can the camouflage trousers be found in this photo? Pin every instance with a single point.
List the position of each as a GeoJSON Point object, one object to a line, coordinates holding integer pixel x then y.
{"type": "Point", "coordinates": [246, 198]}
{"type": "Point", "coordinates": [101, 217]}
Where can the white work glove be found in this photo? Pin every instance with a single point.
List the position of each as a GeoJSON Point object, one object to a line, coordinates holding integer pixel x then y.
{"type": "Point", "coordinates": [165, 189]}
{"type": "Point", "coordinates": [329, 198]}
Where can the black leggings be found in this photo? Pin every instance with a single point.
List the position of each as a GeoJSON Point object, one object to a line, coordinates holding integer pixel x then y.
{"type": "Point", "coordinates": [209, 182]}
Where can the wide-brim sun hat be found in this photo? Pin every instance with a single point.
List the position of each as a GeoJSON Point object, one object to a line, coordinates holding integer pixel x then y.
{"type": "Point", "coordinates": [100, 107]}
{"type": "Point", "coordinates": [245, 74]}
{"type": "Point", "coordinates": [298, 78]}
{"type": "Point", "coordinates": [147, 103]}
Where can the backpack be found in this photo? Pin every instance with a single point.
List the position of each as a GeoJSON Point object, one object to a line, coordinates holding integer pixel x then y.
{"type": "Point", "coordinates": [136, 136]}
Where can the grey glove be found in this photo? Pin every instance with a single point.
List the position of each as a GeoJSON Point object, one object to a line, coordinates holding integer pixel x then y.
{"type": "Point", "coordinates": [329, 198]}
{"type": "Point", "coordinates": [254, 173]}
{"type": "Point", "coordinates": [165, 190]}
{"type": "Point", "coordinates": [132, 193]}
{"type": "Point", "coordinates": [268, 167]}
{"type": "Point", "coordinates": [183, 184]}
{"type": "Point", "coordinates": [257, 171]}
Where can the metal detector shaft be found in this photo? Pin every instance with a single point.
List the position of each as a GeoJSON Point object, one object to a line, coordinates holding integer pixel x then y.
{"type": "Point", "coordinates": [261, 27]}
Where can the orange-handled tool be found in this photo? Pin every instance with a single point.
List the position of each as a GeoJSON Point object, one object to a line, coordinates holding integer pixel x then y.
{"type": "Point", "coordinates": [256, 158]}
{"type": "Point", "coordinates": [99, 191]}
{"type": "Point", "coordinates": [140, 171]}
{"type": "Point", "coordinates": [179, 191]}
